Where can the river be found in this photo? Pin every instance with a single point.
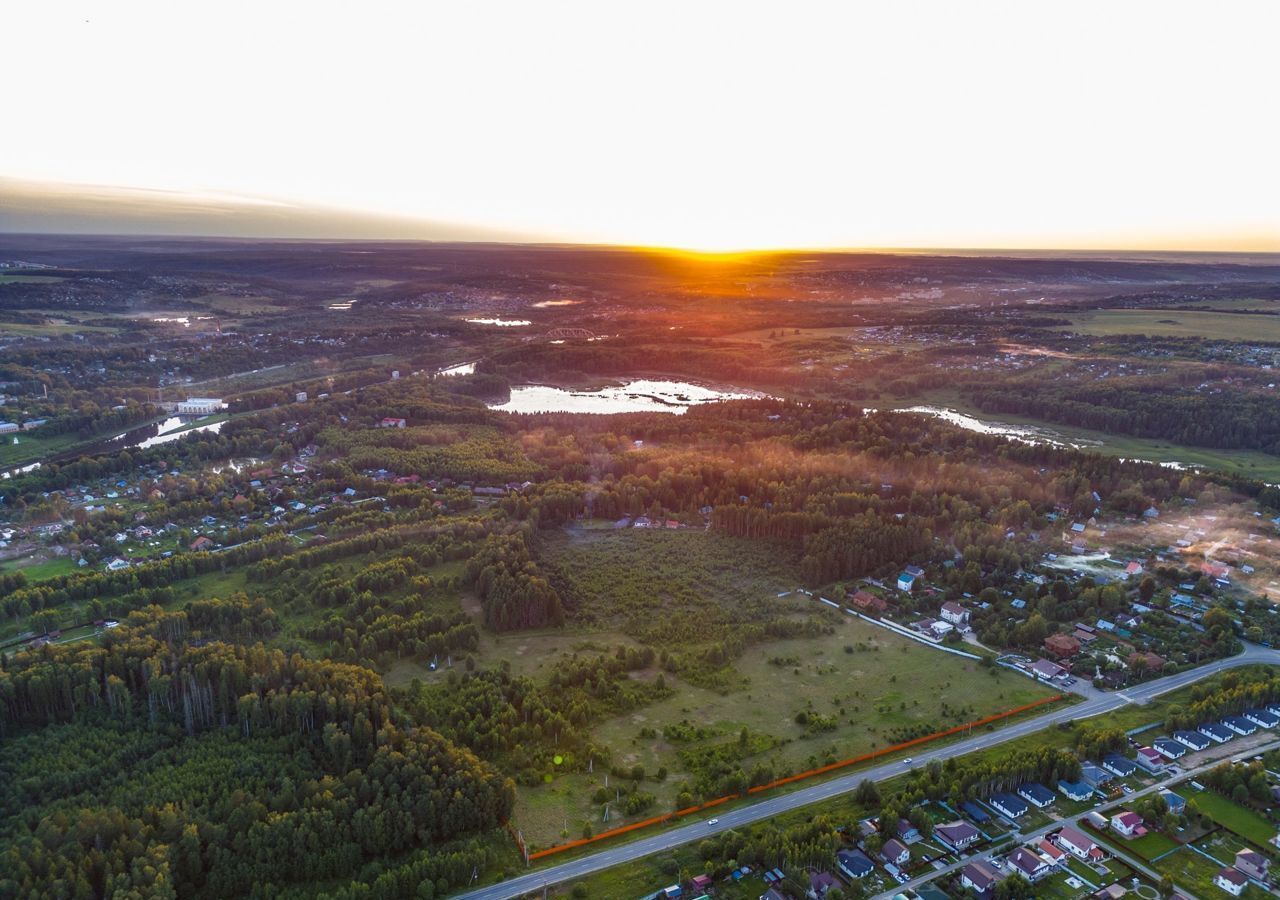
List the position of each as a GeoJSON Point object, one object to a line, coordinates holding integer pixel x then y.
{"type": "Point", "coordinates": [142, 438]}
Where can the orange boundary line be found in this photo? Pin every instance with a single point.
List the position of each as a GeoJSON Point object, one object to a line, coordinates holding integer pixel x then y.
{"type": "Point", "coordinates": [874, 754]}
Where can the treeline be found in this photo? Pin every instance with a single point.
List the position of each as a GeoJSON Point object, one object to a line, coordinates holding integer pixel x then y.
{"type": "Point", "coordinates": [1232, 419]}
{"type": "Point", "coordinates": [980, 778]}
{"type": "Point", "coordinates": [82, 587]}
{"type": "Point", "coordinates": [1244, 783]}
{"type": "Point", "coordinates": [1236, 692]}
{"type": "Point", "coordinates": [90, 419]}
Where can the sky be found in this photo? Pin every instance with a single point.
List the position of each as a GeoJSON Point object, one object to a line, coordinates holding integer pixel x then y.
{"type": "Point", "coordinates": [701, 125]}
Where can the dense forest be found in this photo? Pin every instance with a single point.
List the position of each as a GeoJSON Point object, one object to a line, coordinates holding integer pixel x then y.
{"type": "Point", "coordinates": [187, 770]}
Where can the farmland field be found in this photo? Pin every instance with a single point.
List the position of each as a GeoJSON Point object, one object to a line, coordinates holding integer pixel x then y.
{"type": "Point", "coordinates": [1177, 323]}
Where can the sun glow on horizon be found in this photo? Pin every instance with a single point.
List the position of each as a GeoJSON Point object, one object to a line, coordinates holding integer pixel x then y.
{"type": "Point", "coordinates": [739, 129]}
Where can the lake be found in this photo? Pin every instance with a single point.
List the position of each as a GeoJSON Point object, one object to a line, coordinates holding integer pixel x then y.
{"type": "Point", "coordinates": [635, 396]}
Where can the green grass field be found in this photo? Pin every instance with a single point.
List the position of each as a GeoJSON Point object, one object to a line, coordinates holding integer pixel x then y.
{"type": "Point", "coordinates": [39, 570]}
{"type": "Point", "coordinates": [30, 279]}
{"type": "Point", "coordinates": [863, 687]}
{"type": "Point", "coordinates": [51, 328]}
{"type": "Point", "coordinates": [1150, 845]}
{"type": "Point", "coordinates": [1191, 871]}
{"type": "Point", "coordinates": [898, 683]}
{"type": "Point", "coordinates": [1244, 822]}
{"type": "Point", "coordinates": [1243, 327]}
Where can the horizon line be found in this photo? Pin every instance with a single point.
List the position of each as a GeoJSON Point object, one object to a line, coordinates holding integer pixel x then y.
{"type": "Point", "coordinates": [669, 250]}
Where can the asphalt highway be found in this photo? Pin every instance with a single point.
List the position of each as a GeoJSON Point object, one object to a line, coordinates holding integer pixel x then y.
{"type": "Point", "coordinates": [663, 839]}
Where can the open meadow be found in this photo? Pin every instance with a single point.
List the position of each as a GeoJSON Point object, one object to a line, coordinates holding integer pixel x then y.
{"type": "Point", "coordinates": [1177, 323]}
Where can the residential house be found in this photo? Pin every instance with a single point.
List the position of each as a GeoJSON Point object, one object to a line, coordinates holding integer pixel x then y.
{"type": "Point", "coordinates": [1233, 881]}
{"type": "Point", "coordinates": [1252, 863]}
{"type": "Point", "coordinates": [1128, 824]}
{"type": "Point", "coordinates": [390, 422]}
{"type": "Point", "coordinates": [1217, 733]}
{"type": "Point", "coordinates": [974, 811]}
{"type": "Point", "coordinates": [1029, 865]}
{"type": "Point", "coordinates": [854, 864]}
{"type": "Point", "coordinates": [979, 876]}
{"type": "Point", "coordinates": [868, 603]}
{"type": "Point", "coordinates": [1119, 765]}
{"type": "Point", "coordinates": [955, 614]}
{"type": "Point", "coordinates": [1153, 662]}
{"type": "Point", "coordinates": [940, 629]}
{"type": "Point", "coordinates": [820, 883]}
{"type": "Point", "coordinates": [1170, 749]}
{"type": "Point", "coordinates": [1062, 646]}
{"type": "Point", "coordinates": [202, 543]}
{"type": "Point", "coordinates": [1150, 760]}
{"type": "Point", "coordinates": [1038, 794]}
{"type": "Point", "coordinates": [1008, 805]}
{"type": "Point", "coordinates": [907, 832]}
{"type": "Point", "coordinates": [956, 835]}
{"type": "Point", "coordinates": [1173, 802]}
{"type": "Point", "coordinates": [906, 581]}
{"type": "Point", "coordinates": [1240, 725]}
{"type": "Point", "coordinates": [1051, 853]}
{"type": "Point", "coordinates": [1046, 670]}
{"type": "Point", "coordinates": [1075, 790]}
{"type": "Point", "coordinates": [1262, 718]}
{"type": "Point", "coordinates": [1078, 844]}
{"type": "Point", "coordinates": [895, 852]}
{"type": "Point", "coordinates": [1193, 740]}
